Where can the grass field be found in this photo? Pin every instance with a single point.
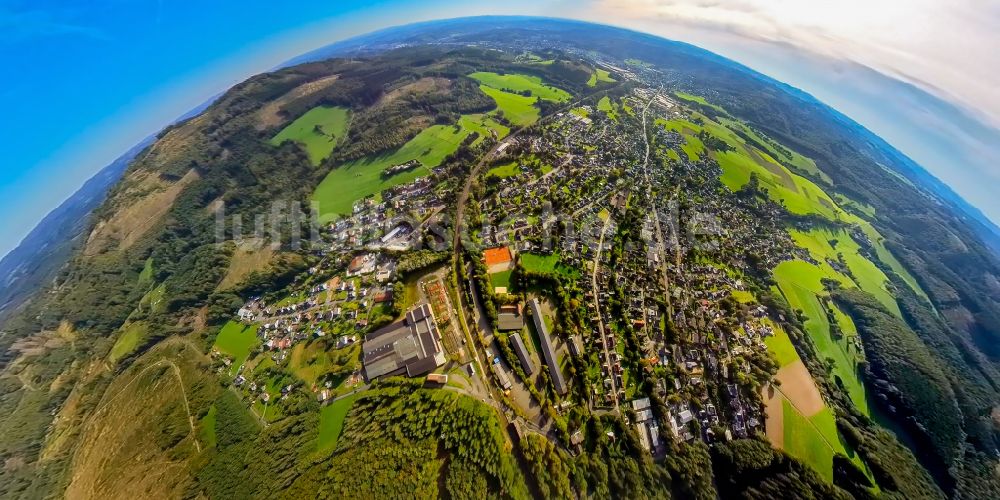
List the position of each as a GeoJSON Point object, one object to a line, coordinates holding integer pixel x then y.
{"type": "Point", "coordinates": [331, 421]}
{"type": "Point", "coordinates": [781, 346]}
{"type": "Point", "coordinates": [890, 260]}
{"type": "Point", "coordinates": [310, 361]}
{"type": "Point", "coordinates": [352, 181]}
{"type": "Point", "coordinates": [484, 125]}
{"type": "Point", "coordinates": [866, 275]}
{"type": "Point", "coordinates": [501, 279]}
{"type": "Point", "coordinates": [608, 108]}
{"type": "Point", "coordinates": [699, 100]}
{"type": "Point", "coordinates": [153, 300]}
{"type": "Point", "coordinates": [792, 158]}
{"type": "Point", "coordinates": [520, 83]}
{"type": "Point", "coordinates": [539, 263]}
{"type": "Point", "coordinates": [520, 110]}
{"type": "Point", "coordinates": [206, 428]}
{"type": "Point", "coordinates": [599, 76]}
{"type": "Point", "coordinates": [128, 340]}
{"type": "Point", "coordinates": [506, 170]}
{"type": "Point", "coordinates": [318, 131]}
{"type": "Point", "coordinates": [798, 194]}
{"type": "Point", "coordinates": [799, 282]}
{"type": "Point", "coordinates": [146, 275]}
{"type": "Point", "coordinates": [236, 340]}
{"type": "Point", "coordinates": [813, 440]}
{"type": "Point", "coordinates": [246, 259]}
{"type": "Point", "coordinates": [743, 297]}
{"type": "Point", "coordinates": [864, 208]}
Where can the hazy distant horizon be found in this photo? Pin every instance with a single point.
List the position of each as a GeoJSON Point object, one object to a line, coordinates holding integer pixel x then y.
{"type": "Point", "coordinates": [137, 79]}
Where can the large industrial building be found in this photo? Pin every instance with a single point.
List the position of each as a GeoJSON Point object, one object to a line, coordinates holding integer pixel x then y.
{"type": "Point", "coordinates": [548, 350]}
{"type": "Point", "coordinates": [411, 346]}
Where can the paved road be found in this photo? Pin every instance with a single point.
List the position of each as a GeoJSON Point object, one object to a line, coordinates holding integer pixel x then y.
{"type": "Point", "coordinates": [600, 316]}
{"type": "Point", "coordinates": [661, 242]}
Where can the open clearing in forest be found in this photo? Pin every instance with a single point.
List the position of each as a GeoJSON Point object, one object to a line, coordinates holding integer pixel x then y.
{"type": "Point", "coordinates": [505, 90]}
{"type": "Point", "coordinates": [352, 181]}
{"type": "Point", "coordinates": [519, 109]}
{"type": "Point", "coordinates": [331, 421]}
{"type": "Point", "coordinates": [236, 340]}
{"type": "Point", "coordinates": [128, 340]}
{"type": "Point", "coordinates": [600, 76]}
{"type": "Point", "coordinates": [608, 107]}
{"type": "Point", "coordinates": [521, 83]}
{"type": "Point", "coordinates": [318, 131]}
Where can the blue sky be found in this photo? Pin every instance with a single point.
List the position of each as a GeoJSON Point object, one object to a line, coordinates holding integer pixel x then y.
{"type": "Point", "coordinates": [84, 83]}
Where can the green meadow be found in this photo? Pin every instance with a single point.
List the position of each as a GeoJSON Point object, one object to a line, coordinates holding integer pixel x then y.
{"type": "Point", "coordinates": [599, 76]}
{"type": "Point", "coordinates": [815, 439]}
{"type": "Point", "coordinates": [780, 345]}
{"type": "Point", "coordinates": [483, 125]}
{"type": "Point", "coordinates": [890, 260]}
{"type": "Point", "coordinates": [501, 279]}
{"type": "Point", "coordinates": [206, 427]}
{"type": "Point", "coordinates": [699, 100]}
{"type": "Point", "coordinates": [318, 131]}
{"type": "Point", "coordinates": [146, 275]}
{"type": "Point", "coordinates": [520, 83]}
{"type": "Point", "coordinates": [866, 275]}
{"type": "Point", "coordinates": [331, 421]}
{"type": "Point", "coordinates": [840, 350]}
{"type": "Point", "coordinates": [608, 108]}
{"type": "Point", "coordinates": [236, 340]}
{"type": "Point", "coordinates": [539, 263]}
{"type": "Point", "coordinates": [520, 110]}
{"type": "Point", "coordinates": [358, 179]}
{"type": "Point", "coordinates": [798, 194]}
{"type": "Point", "coordinates": [786, 155]}
{"type": "Point", "coordinates": [506, 170]}
{"type": "Point", "coordinates": [128, 340]}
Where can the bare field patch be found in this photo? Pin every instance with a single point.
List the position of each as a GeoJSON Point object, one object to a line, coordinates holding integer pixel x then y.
{"type": "Point", "coordinates": [176, 140]}
{"type": "Point", "coordinates": [129, 224]}
{"type": "Point", "coordinates": [426, 85]}
{"type": "Point", "coordinates": [774, 422]}
{"type": "Point", "coordinates": [798, 386]}
{"type": "Point", "coordinates": [252, 255]}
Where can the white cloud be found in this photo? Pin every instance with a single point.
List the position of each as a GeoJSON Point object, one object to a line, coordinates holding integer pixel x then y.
{"type": "Point", "coordinates": [948, 48]}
